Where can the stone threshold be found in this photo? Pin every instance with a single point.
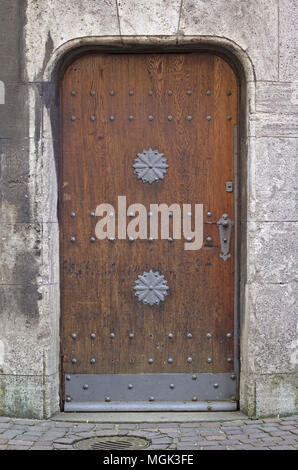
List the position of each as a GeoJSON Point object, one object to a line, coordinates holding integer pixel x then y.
{"type": "Point", "coordinates": [149, 417]}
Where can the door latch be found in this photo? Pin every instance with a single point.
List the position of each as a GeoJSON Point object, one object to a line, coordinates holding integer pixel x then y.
{"type": "Point", "coordinates": [225, 225]}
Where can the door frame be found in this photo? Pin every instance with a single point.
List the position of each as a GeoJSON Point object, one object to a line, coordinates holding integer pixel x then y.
{"type": "Point", "coordinates": [242, 67]}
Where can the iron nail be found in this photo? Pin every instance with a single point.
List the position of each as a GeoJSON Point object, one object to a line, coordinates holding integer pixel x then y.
{"type": "Point", "coordinates": [92, 214]}
{"type": "Point", "coordinates": [107, 399]}
{"type": "Point", "coordinates": [92, 93]}
{"type": "Point", "coordinates": [73, 214]}
{"type": "Point", "coordinates": [208, 118]}
{"type": "Point", "coordinates": [170, 360]}
{"type": "Point", "coordinates": [170, 92]}
{"type": "Point", "coordinates": [189, 335]}
{"type": "Point", "coordinates": [189, 118]}
{"type": "Point", "coordinates": [150, 117]}
{"type": "Point", "coordinates": [92, 118]}
{"type": "Point", "coordinates": [208, 335]}
{"type": "Point", "coordinates": [92, 239]}
{"type": "Point", "coordinates": [189, 359]}
{"type": "Point", "coordinates": [194, 377]}
{"type": "Point", "coordinates": [73, 93]}
{"type": "Point", "coordinates": [93, 335]}
{"type": "Point", "coordinates": [73, 239]}
{"type": "Point", "coordinates": [215, 385]}
{"type": "Point", "coordinates": [74, 336]}
{"type": "Point", "coordinates": [130, 92]}
{"type": "Point", "coordinates": [92, 360]}
{"type": "Point", "coordinates": [208, 214]}
{"type": "Point", "coordinates": [170, 335]}
{"type": "Point", "coordinates": [194, 398]}
{"type": "Point", "coordinates": [112, 335]}
{"type": "Point", "coordinates": [112, 93]}
{"type": "Point", "coordinates": [74, 360]}
{"type": "Point", "coordinates": [131, 335]}
{"type": "Point", "coordinates": [67, 377]}
{"type": "Point", "coordinates": [208, 92]}
{"type": "Point", "coordinates": [189, 92]}
{"type": "Point", "coordinates": [112, 118]}
{"type": "Point", "coordinates": [73, 118]}
{"type": "Point", "coordinates": [85, 386]}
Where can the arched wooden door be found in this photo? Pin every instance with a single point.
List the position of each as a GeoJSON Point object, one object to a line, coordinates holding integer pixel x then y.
{"type": "Point", "coordinates": [147, 324]}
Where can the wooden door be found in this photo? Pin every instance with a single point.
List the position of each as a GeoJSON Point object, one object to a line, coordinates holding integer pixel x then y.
{"type": "Point", "coordinates": [119, 352]}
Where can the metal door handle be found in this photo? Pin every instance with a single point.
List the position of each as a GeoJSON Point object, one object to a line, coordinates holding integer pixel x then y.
{"type": "Point", "coordinates": [225, 225]}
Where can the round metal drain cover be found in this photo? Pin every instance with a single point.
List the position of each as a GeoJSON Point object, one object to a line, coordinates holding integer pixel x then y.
{"type": "Point", "coordinates": [112, 442]}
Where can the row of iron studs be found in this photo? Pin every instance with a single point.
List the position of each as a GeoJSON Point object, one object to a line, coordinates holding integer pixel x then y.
{"type": "Point", "coordinates": [150, 117]}
{"type": "Point", "coordinates": [150, 93]}
{"type": "Point", "coordinates": [131, 335]}
{"type": "Point", "coordinates": [131, 239]}
{"type": "Point", "coordinates": [151, 360]}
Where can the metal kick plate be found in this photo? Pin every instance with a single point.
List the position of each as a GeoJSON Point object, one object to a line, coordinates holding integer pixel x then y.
{"type": "Point", "coordinates": [96, 392]}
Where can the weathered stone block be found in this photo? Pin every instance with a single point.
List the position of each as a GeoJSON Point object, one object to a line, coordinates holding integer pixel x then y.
{"type": "Point", "coordinates": [16, 204]}
{"type": "Point", "coordinates": [30, 333]}
{"type": "Point", "coordinates": [252, 25]}
{"type": "Point", "coordinates": [51, 24]}
{"type": "Point", "coordinates": [14, 161]}
{"type": "Point", "coordinates": [272, 177]}
{"type": "Point", "coordinates": [288, 33]}
{"type": "Point", "coordinates": [275, 206]}
{"type": "Point", "coordinates": [277, 98]}
{"type": "Point", "coordinates": [276, 394]}
{"type": "Point", "coordinates": [149, 18]}
{"type": "Point", "coordinates": [272, 125]}
{"type": "Point", "coordinates": [14, 112]}
{"type": "Point", "coordinates": [20, 247]}
{"type": "Point", "coordinates": [275, 343]}
{"type": "Point", "coordinates": [272, 252]}
{"type": "Point", "coordinates": [29, 396]}
{"type": "Point", "coordinates": [276, 164]}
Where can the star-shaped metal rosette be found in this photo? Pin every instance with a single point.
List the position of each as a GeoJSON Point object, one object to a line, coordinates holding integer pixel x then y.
{"type": "Point", "coordinates": [151, 288]}
{"type": "Point", "coordinates": [150, 165]}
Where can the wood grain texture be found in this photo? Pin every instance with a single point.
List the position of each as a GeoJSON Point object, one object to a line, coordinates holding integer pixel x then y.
{"type": "Point", "coordinates": [97, 279]}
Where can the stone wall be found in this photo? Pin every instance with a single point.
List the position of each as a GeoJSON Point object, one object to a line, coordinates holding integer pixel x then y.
{"type": "Point", "coordinates": [34, 36]}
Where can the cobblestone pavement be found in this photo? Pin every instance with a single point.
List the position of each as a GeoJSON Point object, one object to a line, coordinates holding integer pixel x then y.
{"type": "Point", "coordinates": [275, 434]}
